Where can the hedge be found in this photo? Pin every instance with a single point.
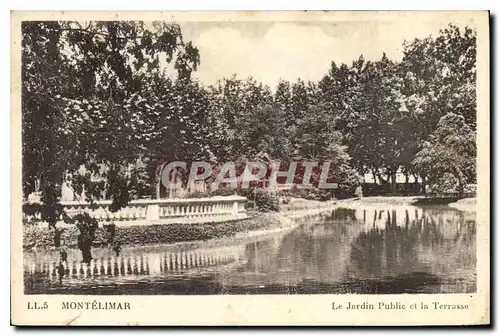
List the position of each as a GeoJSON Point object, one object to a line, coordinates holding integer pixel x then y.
{"type": "Point", "coordinates": [43, 238]}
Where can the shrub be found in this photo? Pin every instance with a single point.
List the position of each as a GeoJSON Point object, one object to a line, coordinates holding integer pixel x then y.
{"type": "Point", "coordinates": [222, 192]}
{"type": "Point", "coordinates": [313, 194]}
{"type": "Point", "coordinates": [198, 194]}
{"type": "Point", "coordinates": [470, 189]}
{"type": "Point", "coordinates": [260, 200]}
{"type": "Point", "coordinates": [319, 195]}
{"type": "Point", "coordinates": [147, 234]}
{"type": "Point", "coordinates": [446, 184]}
{"type": "Point", "coordinates": [211, 193]}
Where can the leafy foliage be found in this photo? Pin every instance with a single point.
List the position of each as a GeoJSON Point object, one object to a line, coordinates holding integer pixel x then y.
{"type": "Point", "coordinates": [451, 150]}
{"type": "Point", "coordinates": [105, 104]}
{"type": "Point", "coordinates": [85, 116]}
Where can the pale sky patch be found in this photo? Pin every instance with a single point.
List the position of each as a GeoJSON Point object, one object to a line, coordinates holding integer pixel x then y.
{"type": "Point", "coordinates": [285, 50]}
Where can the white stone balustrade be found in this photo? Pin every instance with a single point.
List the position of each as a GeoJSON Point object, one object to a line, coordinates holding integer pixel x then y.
{"type": "Point", "coordinates": [163, 211]}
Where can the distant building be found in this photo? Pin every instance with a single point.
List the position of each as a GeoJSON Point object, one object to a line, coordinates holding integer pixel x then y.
{"type": "Point", "coordinates": [400, 178]}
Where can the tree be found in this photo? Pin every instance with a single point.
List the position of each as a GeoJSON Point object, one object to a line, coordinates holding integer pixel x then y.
{"type": "Point", "coordinates": [238, 113]}
{"type": "Point", "coordinates": [439, 77]}
{"type": "Point", "coordinates": [82, 105]}
{"type": "Point", "coordinates": [284, 101]}
{"type": "Point", "coordinates": [377, 130]}
{"type": "Point", "coordinates": [451, 149]}
{"type": "Point", "coordinates": [441, 72]}
{"type": "Point", "coordinates": [318, 140]}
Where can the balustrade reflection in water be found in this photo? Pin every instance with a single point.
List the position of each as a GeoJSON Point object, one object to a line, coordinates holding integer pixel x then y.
{"type": "Point", "coordinates": [149, 263]}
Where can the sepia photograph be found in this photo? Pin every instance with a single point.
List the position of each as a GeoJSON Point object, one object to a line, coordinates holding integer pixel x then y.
{"type": "Point", "coordinates": [234, 154]}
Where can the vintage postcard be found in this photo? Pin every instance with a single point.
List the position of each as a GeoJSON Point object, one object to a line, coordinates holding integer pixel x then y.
{"type": "Point", "coordinates": [250, 168]}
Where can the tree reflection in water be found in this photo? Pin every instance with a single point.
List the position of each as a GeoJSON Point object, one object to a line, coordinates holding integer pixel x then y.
{"type": "Point", "coordinates": [385, 252]}
{"type": "Point", "coordinates": [431, 246]}
{"type": "Point", "coordinates": [403, 249]}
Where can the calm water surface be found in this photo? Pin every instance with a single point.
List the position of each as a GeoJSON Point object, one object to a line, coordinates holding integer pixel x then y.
{"type": "Point", "coordinates": [375, 249]}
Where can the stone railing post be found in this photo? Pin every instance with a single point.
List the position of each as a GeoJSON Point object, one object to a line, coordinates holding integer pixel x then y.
{"type": "Point", "coordinates": [153, 212]}
{"type": "Point", "coordinates": [235, 208]}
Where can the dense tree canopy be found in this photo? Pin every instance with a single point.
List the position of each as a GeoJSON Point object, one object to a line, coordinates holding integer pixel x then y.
{"type": "Point", "coordinates": [94, 95]}
{"type": "Point", "coordinates": [104, 104]}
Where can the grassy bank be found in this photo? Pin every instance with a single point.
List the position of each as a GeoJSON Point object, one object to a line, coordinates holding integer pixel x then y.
{"type": "Point", "coordinates": [42, 238]}
{"type": "Point", "coordinates": [465, 204]}
{"type": "Point", "coordinates": [385, 200]}
{"type": "Point", "coordinates": [410, 200]}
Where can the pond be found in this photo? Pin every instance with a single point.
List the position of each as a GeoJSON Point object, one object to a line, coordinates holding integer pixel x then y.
{"type": "Point", "coordinates": [365, 250]}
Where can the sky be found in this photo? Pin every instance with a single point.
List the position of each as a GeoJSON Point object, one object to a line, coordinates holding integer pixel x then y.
{"type": "Point", "coordinates": [270, 51]}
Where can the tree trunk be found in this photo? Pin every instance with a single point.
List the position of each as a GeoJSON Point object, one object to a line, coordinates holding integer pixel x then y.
{"type": "Point", "coordinates": [424, 185]}
{"type": "Point", "coordinates": [415, 178]}
{"type": "Point", "coordinates": [158, 180]}
{"type": "Point", "coordinates": [461, 188]}
{"type": "Point", "coordinates": [407, 181]}
{"type": "Point", "coordinates": [393, 183]}
{"type": "Point", "coordinates": [382, 181]}
{"type": "Point", "coordinates": [158, 187]}
{"type": "Point", "coordinates": [460, 178]}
